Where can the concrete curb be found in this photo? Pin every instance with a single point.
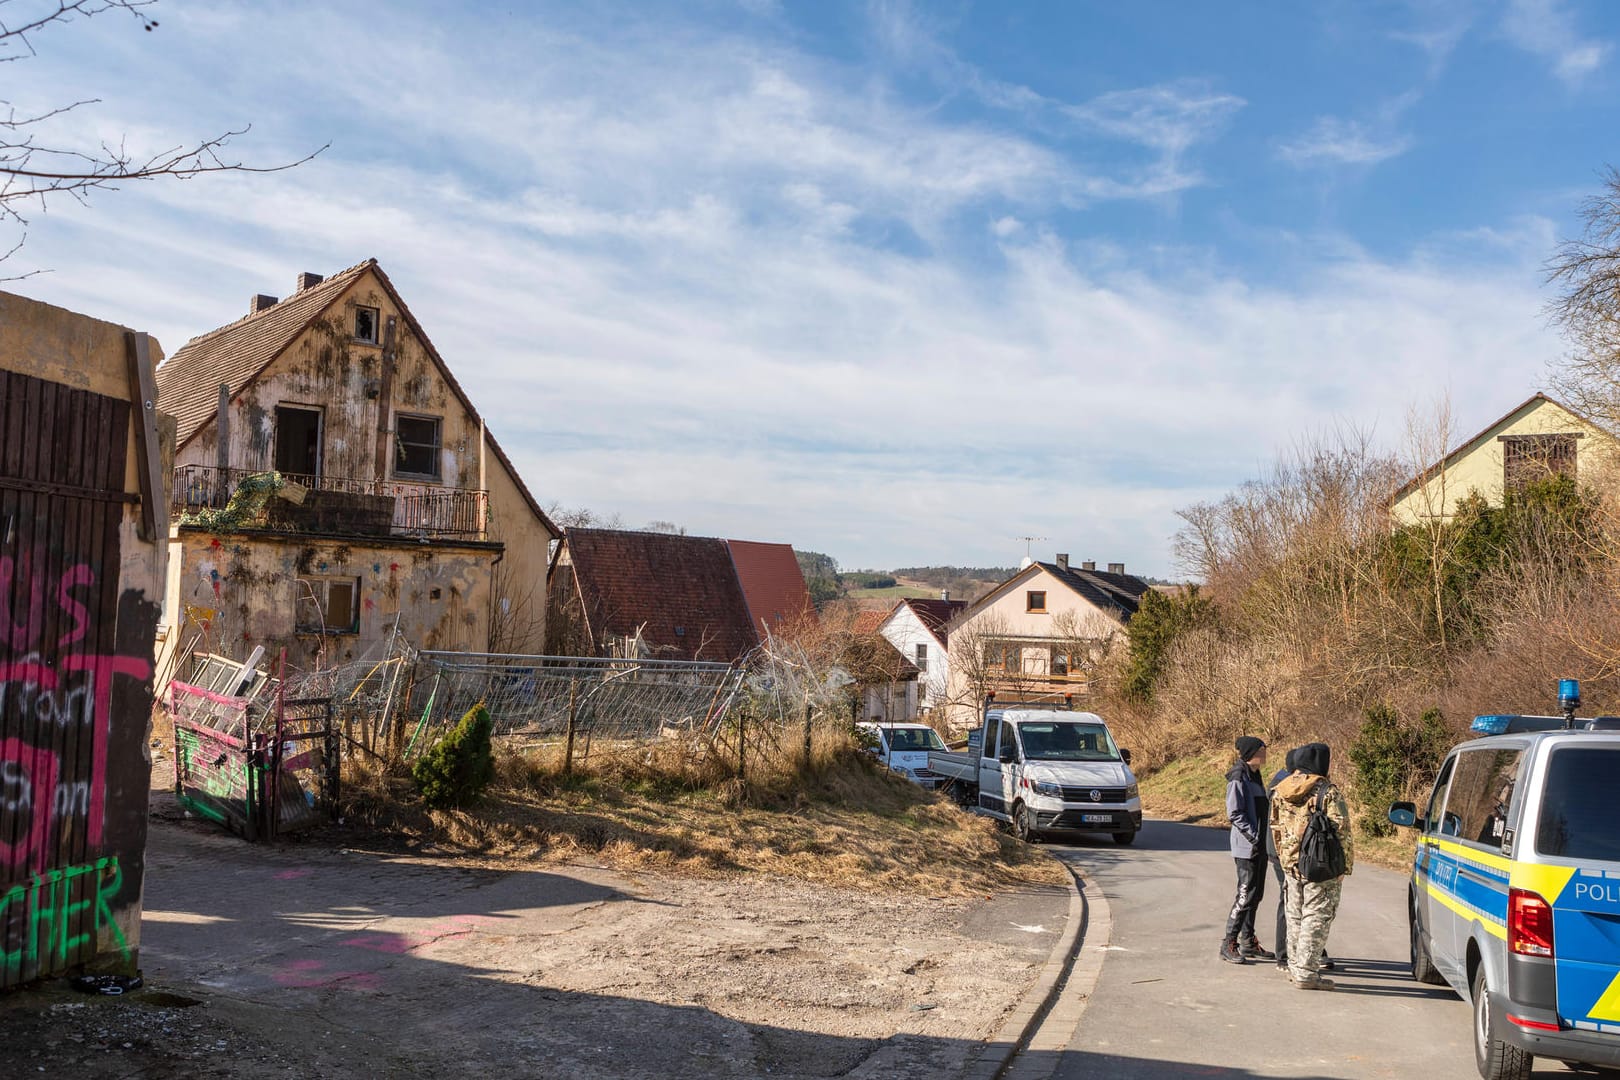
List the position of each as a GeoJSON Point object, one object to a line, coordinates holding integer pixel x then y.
{"type": "Point", "coordinates": [1021, 1024]}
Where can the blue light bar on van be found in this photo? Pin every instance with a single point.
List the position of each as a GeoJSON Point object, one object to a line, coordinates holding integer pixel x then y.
{"type": "Point", "coordinates": [1514, 724]}
{"type": "Point", "coordinates": [1492, 725]}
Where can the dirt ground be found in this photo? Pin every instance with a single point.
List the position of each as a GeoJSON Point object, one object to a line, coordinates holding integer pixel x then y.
{"type": "Point", "coordinates": [313, 960]}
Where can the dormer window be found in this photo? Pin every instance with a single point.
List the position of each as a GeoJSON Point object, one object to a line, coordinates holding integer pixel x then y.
{"type": "Point", "coordinates": [365, 325]}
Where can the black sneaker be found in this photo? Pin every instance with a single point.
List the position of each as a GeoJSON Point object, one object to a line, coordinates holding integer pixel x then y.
{"type": "Point", "coordinates": [1230, 952]}
{"type": "Point", "coordinates": [1253, 950]}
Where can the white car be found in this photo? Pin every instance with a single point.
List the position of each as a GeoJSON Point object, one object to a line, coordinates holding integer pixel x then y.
{"type": "Point", "coordinates": [905, 749]}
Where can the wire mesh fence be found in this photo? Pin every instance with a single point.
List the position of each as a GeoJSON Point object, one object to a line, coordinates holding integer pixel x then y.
{"type": "Point", "coordinates": [553, 695]}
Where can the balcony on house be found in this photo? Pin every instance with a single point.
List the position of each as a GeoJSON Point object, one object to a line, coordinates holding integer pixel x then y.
{"type": "Point", "coordinates": [328, 505]}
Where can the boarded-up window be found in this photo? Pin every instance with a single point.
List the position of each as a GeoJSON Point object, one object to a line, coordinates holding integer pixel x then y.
{"type": "Point", "coordinates": [328, 605]}
{"type": "Point", "coordinates": [416, 441]}
{"type": "Point", "coordinates": [1528, 458]}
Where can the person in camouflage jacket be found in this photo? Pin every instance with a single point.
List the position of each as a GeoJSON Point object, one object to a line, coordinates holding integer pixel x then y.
{"type": "Point", "coordinates": [1311, 905]}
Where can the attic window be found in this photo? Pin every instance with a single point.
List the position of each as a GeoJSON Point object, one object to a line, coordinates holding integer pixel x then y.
{"type": "Point", "coordinates": [1035, 601]}
{"type": "Point", "coordinates": [416, 447]}
{"type": "Point", "coordinates": [365, 324]}
{"type": "Point", "coordinates": [1528, 458]}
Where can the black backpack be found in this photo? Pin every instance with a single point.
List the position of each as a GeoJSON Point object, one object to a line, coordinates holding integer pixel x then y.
{"type": "Point", "coordinates": [1321, 852]}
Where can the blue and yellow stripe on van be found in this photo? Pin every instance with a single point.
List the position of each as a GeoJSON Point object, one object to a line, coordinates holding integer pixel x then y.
{"type": "Point", "coordinates": [1471, 883]}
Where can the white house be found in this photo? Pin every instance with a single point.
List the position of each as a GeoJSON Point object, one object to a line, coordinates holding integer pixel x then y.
{"type": "Point", "coordinates": [1037, 637]}
{"type": "Point", "coordinates": [916, 628]}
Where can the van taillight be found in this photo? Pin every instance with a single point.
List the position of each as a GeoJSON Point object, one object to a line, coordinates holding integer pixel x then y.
{"type": "Point", "coordinates": [1530, 924]}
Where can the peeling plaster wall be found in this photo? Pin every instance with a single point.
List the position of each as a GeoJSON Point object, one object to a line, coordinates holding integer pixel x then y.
{"type": "Point", "coordinates": [251, 580]}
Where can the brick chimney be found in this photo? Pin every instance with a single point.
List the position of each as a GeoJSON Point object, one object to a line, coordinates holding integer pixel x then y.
{"type": "Point", "coordinates": [1116, 568]}
{"type": "Point", "coordinates": [1088, 565]}
{"type": "Point", "coordinates": [1063, 560]}
{"type": "Point", "coordinates": [308, 280]}
{"type": "Point", "coordinates": [261, 302]}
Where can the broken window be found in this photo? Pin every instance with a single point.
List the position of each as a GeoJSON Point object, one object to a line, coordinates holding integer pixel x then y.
{"type": "Point", "coordinates": [1528, 458]}
{"type": "Point", "coordinates": [365, 324]}
{"type": "Point", "coordinates": [328, 605]}
{"type": "Point", "coordinates": [298, 442]}
{"type": "Point", "coordinates": [416, 441]}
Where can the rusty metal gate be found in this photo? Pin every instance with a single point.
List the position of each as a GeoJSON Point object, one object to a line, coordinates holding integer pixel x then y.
{"type": "Point", "coordinates": [73, 781]}
{"type": "Point", "coordinates": [257, 775]}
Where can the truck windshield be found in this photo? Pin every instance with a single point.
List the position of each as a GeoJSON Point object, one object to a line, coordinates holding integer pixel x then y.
{"type": "Point", "coordinates": [1067, 740]}
{"type": "Point", "coordinates": [1577, 811]}
{"type": "Point", "coordinates": [914, 739]}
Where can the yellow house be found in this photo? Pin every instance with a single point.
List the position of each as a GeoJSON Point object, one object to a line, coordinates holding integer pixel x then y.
{"type": "Point", "coordinates": [1037, 636]}
{"type": "Point", "coordinates": [1539, 438]}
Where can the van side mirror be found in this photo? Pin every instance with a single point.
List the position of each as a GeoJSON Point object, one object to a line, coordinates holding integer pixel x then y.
{"type": "Point", "coordinates": [1403, 814]}
{"type": "Point", "coordinates": [1125, 756]}
{"type": "Point", "coordinates": [1008, 755]}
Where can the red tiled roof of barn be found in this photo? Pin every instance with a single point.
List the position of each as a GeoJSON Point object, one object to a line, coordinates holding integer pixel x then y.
{"type": "Point", "coordinates": [680, 592]}
{"type": "Point", "coordinates": [772, 584]}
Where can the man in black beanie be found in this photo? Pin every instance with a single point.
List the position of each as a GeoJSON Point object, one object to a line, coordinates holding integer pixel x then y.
{"type": "Point", "coordinates": [1247, 808]}
{"type": "Point", "coordinates": [1312, 905]}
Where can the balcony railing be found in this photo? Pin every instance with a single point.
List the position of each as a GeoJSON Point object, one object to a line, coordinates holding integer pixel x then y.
{"type": "Point", "coordinates": [418, 509]}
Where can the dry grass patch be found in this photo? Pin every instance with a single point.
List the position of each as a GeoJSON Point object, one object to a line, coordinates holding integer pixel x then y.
{"type": "Point", "coordinates": [677, 808]}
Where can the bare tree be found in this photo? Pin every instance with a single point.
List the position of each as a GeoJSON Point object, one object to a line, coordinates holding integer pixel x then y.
{"type": "Point", "coordinates": [34, 168]}
{"type": "Point", "coordinates": [1587, 271]}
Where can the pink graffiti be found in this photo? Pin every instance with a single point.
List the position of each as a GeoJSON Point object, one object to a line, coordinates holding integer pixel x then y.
{"type": "Point", "coordinates": [28, 775]}
{"type": "Point", "coordinates": [23, 633]}
{"type": "Point", "coordinates": [309, 974]}
{"type": "Point", "coordinates": [292, 875]}
{"type": "Point", "coordinates": [40, 769]}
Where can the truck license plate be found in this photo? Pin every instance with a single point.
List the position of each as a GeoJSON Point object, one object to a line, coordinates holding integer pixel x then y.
{"type": "Point", "coordinates": [1096, 818]}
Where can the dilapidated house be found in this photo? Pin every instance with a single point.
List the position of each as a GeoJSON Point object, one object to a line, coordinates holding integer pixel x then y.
{"type": "Point", "coordinates": [333, 481]}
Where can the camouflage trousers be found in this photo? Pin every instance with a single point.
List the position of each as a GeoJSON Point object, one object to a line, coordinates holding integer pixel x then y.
{"type": "Point", "coordinates": [1311, 908]}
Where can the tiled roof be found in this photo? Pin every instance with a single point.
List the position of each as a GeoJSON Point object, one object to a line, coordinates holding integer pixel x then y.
{"type": "Point", "coordinates": [935, 614]}
{"type": "Point", "coordinates": [188, 382]}
{"type": "Point", "coordinates": [680, 592]}
{"type": "Point", "coordinates": [237, 354]}
{"type": "Point", "coordinates": [867, 620]}
{"type": "Point", "coordinates": [1121, 593]}
{"type": "Point", "coordinates": [772, 584]}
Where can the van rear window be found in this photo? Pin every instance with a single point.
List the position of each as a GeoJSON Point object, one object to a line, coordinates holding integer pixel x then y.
{"type": "Point", "coordinates": [1578, 809]}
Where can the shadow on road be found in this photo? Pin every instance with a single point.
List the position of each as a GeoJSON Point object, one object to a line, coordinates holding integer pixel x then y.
{"type": "Point", "coordinates": [1155, 836]}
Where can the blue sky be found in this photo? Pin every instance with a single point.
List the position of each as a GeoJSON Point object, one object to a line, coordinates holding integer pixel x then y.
{"type": "Point", "coordinates": [895, 281]}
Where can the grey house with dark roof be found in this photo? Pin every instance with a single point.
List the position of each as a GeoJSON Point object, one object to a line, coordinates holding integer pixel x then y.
{"type": "Point", "coordinates": [391, 502]}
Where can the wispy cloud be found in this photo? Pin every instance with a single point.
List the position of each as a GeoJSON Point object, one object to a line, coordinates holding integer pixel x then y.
{"type": "Point", "coordinates": [1547, 29]}
{"type": "Point", "coordinates": [1358, 141]}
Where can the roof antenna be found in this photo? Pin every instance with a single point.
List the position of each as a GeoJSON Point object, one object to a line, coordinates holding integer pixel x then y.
{"type": "Point", "coordinates": [1029, 542]}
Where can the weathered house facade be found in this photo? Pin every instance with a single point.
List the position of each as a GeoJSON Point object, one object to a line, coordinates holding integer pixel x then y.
{"type": "Point", "coordinates": [1038, 636]}
{"type": "Point", "coordinates": [396, 506]}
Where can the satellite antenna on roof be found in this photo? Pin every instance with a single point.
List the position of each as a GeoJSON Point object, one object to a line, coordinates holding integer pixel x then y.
{"type": "Point", "coordinates": [1029, 542]}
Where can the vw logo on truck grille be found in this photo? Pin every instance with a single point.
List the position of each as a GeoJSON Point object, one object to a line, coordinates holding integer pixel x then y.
{"type": "Point", "coordinates": [1096, 795]}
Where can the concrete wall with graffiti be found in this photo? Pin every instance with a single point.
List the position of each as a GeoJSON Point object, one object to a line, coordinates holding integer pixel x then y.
{"type": "Point", "coordinates": [257, 588]}
{"type": "Point", "coordinates": [81, 577]}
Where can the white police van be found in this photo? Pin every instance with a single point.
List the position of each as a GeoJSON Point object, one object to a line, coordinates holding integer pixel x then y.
{"type": "Point", "coordinates": [1515, 893]}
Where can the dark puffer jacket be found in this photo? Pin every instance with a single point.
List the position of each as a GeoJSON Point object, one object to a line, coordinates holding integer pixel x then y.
{"type": "Point", "coordinates": [1247, 809]}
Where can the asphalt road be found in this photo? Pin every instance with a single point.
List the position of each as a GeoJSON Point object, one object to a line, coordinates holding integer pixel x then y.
{"type": "Point", "coordinates": [1167, 1006]}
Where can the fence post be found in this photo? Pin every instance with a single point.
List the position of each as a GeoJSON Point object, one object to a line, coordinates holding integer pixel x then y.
{"type": "Point", "coordinates": [742, 744]}
{"type": "Point", "coordinates": [806, 734]}
{"type": "Point", "coordinates": [573, 722]}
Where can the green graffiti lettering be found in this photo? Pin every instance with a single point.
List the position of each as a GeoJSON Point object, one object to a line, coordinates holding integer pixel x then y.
{"type": "Point", "coordinates": [45, 910]}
